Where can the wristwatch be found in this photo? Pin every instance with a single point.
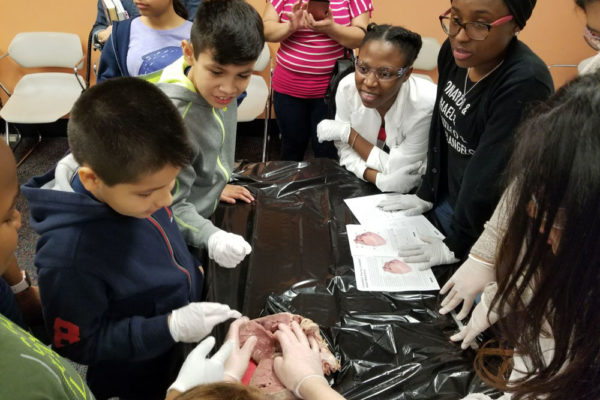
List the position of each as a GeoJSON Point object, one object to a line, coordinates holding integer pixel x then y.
{"type": "Point", "coordinates": [23, 285]}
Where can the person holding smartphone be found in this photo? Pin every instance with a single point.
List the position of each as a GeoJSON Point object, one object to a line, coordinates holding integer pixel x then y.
{"type": "Point", "coordinates": [305, 60]}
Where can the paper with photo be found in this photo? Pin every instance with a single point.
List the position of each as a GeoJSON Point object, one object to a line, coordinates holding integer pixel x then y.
{"type": "Point", "coordinates": [388, 274]}
{"type": "Point", "coordinates": [379, 241]}
{"type": "Point", "coordinates": [367, 213]}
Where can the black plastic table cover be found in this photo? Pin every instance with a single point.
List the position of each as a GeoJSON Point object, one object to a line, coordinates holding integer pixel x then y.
{"type": "Point", "coordinates": [391, 345]}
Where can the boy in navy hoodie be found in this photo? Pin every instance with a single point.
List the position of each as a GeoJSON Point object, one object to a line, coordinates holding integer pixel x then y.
{"type": "Point", "coordinates": [119, 287]}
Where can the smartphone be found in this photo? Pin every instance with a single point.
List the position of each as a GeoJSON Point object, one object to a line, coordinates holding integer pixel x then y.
{"type": "Point", "coordinates": [319, 9]}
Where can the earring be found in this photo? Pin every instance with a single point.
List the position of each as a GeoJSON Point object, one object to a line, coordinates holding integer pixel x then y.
{"type": "Point", "coordinates": [517, 33]}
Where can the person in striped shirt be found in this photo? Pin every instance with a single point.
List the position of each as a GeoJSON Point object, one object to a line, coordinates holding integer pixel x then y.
{"type": "Point", "coordinates": [305, 59]}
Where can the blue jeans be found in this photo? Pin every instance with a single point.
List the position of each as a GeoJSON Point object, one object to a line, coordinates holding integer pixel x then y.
{"type": "Point", "coordinates": [8, 304]}
{"type": "Point", "coordinates": [297, 119]}
{"type": "Point", "coordinates": [444, 213]}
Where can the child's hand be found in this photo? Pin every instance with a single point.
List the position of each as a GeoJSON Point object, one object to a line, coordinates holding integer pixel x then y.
{"type": "Point", "coordinates": [194, 321]}
{"type": "Point", "coordinates": [231, 193]}
{"type": "Point", "coordinates": [301, 358]}
{"type": "Point", "coordinates": [227, 249]}
{"type": "Point", "coordinates": [237, 363]}
{"type": "Point", "coordinates": [198, 369]}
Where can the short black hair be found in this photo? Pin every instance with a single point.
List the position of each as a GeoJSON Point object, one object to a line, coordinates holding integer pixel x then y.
{"type": "Point", "coordinates": [231, 29]}
{"type": "Point", "coordinates": [407, 41]}
{"type": "Point", "coordinates": [125, 128]}
{"type": "Point", "coordinates": [583, 3]}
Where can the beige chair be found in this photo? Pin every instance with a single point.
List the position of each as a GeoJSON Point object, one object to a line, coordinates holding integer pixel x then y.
{"type": "Point", "coordinates": [427, 58]}
{"type": "Point", "coordinates": [43, 97]}
{"type": "Point", "coordinates": [258, 97]}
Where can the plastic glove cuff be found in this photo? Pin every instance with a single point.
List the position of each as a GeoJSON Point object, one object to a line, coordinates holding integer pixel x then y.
{"type": "Point", "coordinates": [297, 388]}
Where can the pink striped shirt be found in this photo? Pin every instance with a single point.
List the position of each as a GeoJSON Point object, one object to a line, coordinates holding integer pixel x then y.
{"type": "Point", "coordinates": [306, 58]}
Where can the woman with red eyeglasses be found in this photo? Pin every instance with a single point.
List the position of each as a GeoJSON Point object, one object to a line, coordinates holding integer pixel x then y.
{"type": "Point", "coordinates": [591, 34]}
{"type": "Point", "coordinates": [487, 80]}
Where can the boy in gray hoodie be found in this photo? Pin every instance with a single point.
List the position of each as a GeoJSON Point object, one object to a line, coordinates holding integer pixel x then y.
{"type": "Point", "coordinates": [226, 40]}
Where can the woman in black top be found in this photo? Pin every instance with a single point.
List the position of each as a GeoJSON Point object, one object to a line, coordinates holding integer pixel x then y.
{"type": "Point", "coordinates": [487, 79]}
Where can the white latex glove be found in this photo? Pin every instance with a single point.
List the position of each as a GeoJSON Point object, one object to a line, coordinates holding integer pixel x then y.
{"type": "Point", "coordinates": [193, 322]}
{"type": "Point", "coordinates": [410, 203]}
{"type": "Point", "coordinates": [433, 252]}
{"type": "Point", "coordinates": [478, 323]}
{"type": "Point", "coordinates": [197, 369]}
{"type": "Point", "coordinates": [237, 362]}
{"type": "Point", "coordinates": [479, 396]}
{"type": "Point", "coordinates": [402, 180]}
{"type": "Point", "coordinates": [227, 249]}
{"type": "Point", "coordinates": [329, 129]}
{"type": "Point", "coordinates": [465, 284]}
{"type": "Point", "coordinates": [300, 360]}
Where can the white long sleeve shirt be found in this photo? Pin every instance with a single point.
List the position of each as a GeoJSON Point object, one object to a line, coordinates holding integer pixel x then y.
{"type": "Point", "coordinates": [406, 126]}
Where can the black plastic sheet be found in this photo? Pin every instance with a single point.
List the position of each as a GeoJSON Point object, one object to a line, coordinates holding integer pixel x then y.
{"type": "Point", "coordinates": [391, 345]}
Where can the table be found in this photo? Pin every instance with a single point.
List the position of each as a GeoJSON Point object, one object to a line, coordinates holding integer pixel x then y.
{"type": "Point", "coordinates": [392, 345]}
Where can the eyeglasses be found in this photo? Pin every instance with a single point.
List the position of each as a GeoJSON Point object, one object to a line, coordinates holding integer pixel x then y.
{"type": "Point", "coordinates": [475, 30]}
{"type": "Point", "coordinates": [382, 74]}
{"type": "Point", "coordinates": [560, 219]}
{"type": "Point", "coordinates": [592, 39]}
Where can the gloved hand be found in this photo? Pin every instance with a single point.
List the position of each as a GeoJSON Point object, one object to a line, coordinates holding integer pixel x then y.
{"type": "Point", "coordinates": [401, 180]}
{"type": "Point", "coordinates": [465, 284]}
{"type": "Point", "coordinates": [478, 323]}
{"type": "Point", "coordinates": [193, 322]}
{"type": "Point", "coordinates": [300, 360]}
{"type": "Point", "coordinates": [227, 249]}
{"type": "Point", "coordinates": [330, 129]}
{"type": "Point", "coordinates": [433, 252]}
{"type": "Point", "coordinates": [197, 369]}
{"type": "Point", "coordinates": [237, 362]}
{"type": "Point", "coordinates": [410, 203]}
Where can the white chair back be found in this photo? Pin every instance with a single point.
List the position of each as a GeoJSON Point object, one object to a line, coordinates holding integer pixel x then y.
{"type": "Point", "coordinates": [263, 59]}
{"type": "Point", "coordinates": [427, 58]}
{"type": "Point", "coordinates": [46, 49]}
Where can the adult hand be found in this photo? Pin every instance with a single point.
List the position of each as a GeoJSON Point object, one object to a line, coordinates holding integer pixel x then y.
{"type": "Point", "coordinates": [103, 35]}
{"type": "Point", "coordinates": [330, 129]}
{"type": "Point", "coordinates": [402, 180]}
{"type": "Point", "coordinates": [411, 204]}
{"type": "Point", "coordinates": [197, 369]}
{"type": "Point", "coordinates": [231, 193]}
{"type": "Point", "coordinates": [324, 25]}
{"type": "Point", "coordinates": [433, 252]}
{"type": "Point", "coordinates": [300, 360]}
{"type": "Point", "coordinates": [465, 284]}
{"type": "Point", "coordinates": [227, 249]}
{"type": "Point", "coordinates": [193, 322]}
{"type": "Point", "coordinates": [237, 362]}
{"type": "Point", "coordinates": [296, 17]}
{"type": "Point", "coordinates": [478, 323]}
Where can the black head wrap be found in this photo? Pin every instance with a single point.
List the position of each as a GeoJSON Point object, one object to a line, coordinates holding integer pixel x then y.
{"type": "Point", "coordinates": [520, 10]}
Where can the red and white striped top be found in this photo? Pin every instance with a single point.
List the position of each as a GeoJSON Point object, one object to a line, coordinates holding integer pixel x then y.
{"type": "Point", "coordinates": [306, 58]}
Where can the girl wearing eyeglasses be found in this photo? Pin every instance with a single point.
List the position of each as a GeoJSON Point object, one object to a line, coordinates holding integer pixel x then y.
{"type": "Point", "coordinates": [487, 79]}
{"type": "Point", "coordinates": [591, 34]}
{"type": "Point", "coordinates": [383, 112]}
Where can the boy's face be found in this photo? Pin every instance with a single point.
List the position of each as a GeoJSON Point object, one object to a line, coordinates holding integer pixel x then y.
{"type": "Point", "coordinates": [140, 199]}
{"type": "Point", "coordinates": [10, 218]}
{"type": "Point", "coordinates": [218, 84]}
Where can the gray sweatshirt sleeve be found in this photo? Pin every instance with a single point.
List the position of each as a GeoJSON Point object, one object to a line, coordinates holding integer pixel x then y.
{"type": "Point", "coordinates": [195, 228]}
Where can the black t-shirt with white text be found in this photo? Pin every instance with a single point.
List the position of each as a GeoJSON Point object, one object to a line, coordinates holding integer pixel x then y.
{"type": "Point", "coordinates": [471, 134]}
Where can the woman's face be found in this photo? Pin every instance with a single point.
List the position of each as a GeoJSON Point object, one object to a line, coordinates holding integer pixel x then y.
{"type": "Point", "coordinates": [482, 55]}
{"type": "Point", "coordinates": [386, 57]}
{"type": "Point", "coordinates": [592, 22]}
